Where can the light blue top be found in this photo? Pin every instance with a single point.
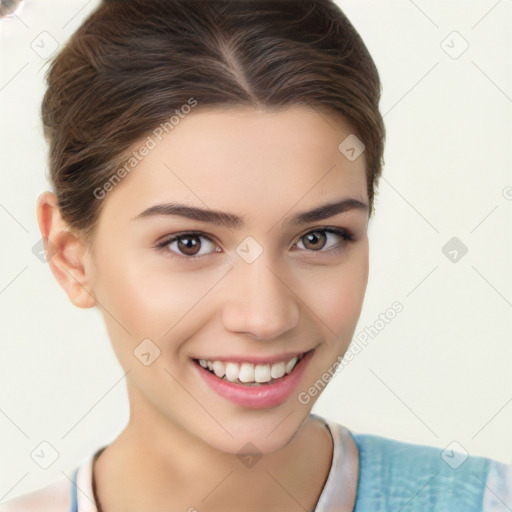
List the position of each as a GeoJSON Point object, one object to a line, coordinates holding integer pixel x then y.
{"type": "Point", "coordinates": [396, 476]}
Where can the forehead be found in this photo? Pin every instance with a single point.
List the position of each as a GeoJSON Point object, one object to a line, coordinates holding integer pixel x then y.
{"type": "Point", "coordinates": [244, 160]}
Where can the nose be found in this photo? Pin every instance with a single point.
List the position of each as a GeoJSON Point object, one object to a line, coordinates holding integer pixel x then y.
{"type": "Point", "coordinates": [259, 301]}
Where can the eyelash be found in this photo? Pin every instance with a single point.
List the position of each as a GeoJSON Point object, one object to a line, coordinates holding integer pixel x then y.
{"type": "Point", "coordinates": [346, 236]}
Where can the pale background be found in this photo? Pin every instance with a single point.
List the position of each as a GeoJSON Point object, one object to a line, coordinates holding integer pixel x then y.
{"type": "Point", "coordinates": [439, 372]}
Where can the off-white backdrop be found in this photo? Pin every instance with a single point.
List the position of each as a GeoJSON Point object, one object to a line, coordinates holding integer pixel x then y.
{"type": "Point", "coordinates": [438, 372]}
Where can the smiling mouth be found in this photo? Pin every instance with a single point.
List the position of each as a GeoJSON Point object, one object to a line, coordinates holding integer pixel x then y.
{"type": "Point", "coordinates": [249, 374]}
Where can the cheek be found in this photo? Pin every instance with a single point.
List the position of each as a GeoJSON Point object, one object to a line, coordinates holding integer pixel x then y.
{"type": "Point", "coordinates": [149, 295]}
{"type": "Point", "coordinates": [338, 294]}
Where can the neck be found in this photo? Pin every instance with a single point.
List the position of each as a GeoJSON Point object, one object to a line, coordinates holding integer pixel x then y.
{"type": "Point", "coordinates": [155, 464]}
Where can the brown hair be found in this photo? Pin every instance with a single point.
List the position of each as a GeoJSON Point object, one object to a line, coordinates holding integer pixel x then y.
{"type": "Point", "coordinates": [132, 64]}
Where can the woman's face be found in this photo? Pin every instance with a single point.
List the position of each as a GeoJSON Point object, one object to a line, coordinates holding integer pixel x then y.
{"type": "Point", "coordinates": [243, 275]}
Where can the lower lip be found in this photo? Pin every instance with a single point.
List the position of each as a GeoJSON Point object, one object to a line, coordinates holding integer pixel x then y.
{"type": "Point", "coordinates": [257, 397]}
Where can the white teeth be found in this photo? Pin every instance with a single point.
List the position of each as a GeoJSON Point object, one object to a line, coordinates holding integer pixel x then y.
{"type": "Point", "coordinates": [277, 370]}
{"type": "Point", "coordinates": [290, 364]}
{"type": "Point", "coordinates": [219, 369]}
{"type": "Point", "coordinates": [262, 373]}
{"type": "Point", "coordinates": [248, 372]}
{"type": "Point", "coordinates": [232, 371]}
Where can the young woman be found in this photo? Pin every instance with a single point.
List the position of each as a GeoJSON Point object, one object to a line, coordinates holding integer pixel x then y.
{"type": "Point", "coordinates": [214, 167]}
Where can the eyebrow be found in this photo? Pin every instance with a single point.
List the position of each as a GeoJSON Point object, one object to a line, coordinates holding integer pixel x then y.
{"type": "Point", "coordinates": [231, 220]}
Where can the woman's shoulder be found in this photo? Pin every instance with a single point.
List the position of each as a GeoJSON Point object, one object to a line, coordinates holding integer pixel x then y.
{"type": "Point", "coordinates": [67, 493]}
{"type": "Point", "coordinates": [421, 477]}
{"type": "Point", "coordinates": [55, 497]}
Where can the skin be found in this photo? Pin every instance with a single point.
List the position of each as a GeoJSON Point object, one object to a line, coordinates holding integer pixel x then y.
{"type": "Point", "coordinates": [265, 166]}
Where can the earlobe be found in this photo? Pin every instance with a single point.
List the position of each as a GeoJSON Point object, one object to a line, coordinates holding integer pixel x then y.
{"type": "Point", "coordinates": [66, 252]}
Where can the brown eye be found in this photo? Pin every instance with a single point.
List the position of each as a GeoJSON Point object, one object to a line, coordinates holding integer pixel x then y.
{"type": "Point", "coordinates": [189, 245]}
{"type": "Point", "coordinates": [324, 240]}
{"type": "Point", "coordinates": [315, 240]}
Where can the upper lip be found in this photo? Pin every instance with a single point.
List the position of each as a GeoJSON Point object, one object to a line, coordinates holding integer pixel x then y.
{"type": "Point", "coordinates": [270, 359]}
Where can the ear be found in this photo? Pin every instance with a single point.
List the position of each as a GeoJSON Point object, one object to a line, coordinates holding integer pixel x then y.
{"type": "Point", "coordinates": [66, 252]}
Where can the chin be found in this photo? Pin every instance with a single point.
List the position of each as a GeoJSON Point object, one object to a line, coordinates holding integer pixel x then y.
{"type": "Point", "coordinates": [257, 431]}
